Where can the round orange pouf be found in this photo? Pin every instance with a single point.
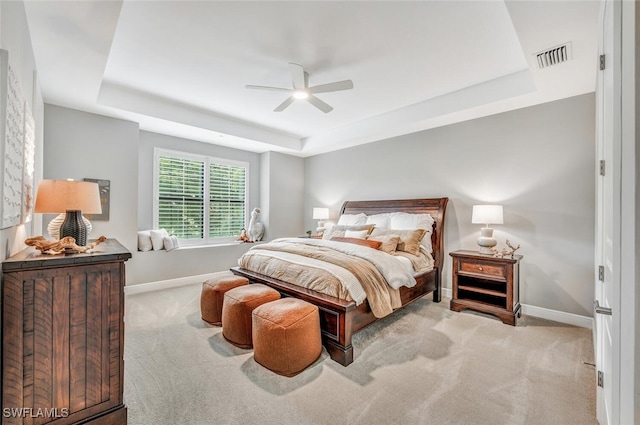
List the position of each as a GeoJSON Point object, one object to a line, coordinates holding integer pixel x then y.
{"type": "Point", "coordinates": [212, 296]}
{"type": "Point", "coordinates": [237, 308]}
{"type": "Point", "coordinates": [286, 335]}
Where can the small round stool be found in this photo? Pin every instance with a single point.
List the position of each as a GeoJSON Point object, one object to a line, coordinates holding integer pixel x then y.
{"type": "Point", "coordinates": [212, 296]}
{"type": "Point", "coordinates": [236, 311]}
{"type": "Point", "coordinates": [286, 335]}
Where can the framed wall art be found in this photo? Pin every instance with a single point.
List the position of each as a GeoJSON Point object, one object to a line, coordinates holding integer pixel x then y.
{"type": "Point", "coordinates": [105, 191]}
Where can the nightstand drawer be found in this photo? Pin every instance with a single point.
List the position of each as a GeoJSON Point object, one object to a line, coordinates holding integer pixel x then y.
{"type": "Point", "coordinates": [483, 268]}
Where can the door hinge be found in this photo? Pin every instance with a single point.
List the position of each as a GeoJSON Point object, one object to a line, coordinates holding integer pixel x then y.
{"type": "Point", "coordinates": [601, 62]}
{"type": "Point", "coordinates": [600, 379]}
{"type": "Point", "coordinates": [602, 167]}
{"type": "Point", "coordinates": [601, 273]}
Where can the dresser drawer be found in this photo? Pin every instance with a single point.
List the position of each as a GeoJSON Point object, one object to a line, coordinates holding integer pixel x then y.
{"type": "Point", "coordinates": [487, 269]}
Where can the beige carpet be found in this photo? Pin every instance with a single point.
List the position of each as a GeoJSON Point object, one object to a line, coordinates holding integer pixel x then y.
{"type": "Point", "coordinates": [423, 365]}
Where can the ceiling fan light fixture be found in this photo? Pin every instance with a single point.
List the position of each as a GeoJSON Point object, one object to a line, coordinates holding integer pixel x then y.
{"type": "Point", "coordinates": [302, 91]}
{"type": "Point", "coordinates": [300, 94]}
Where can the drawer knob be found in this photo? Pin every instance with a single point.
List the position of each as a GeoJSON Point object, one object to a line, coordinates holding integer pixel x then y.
{"type": "Point", "coordinates": [480, 268]}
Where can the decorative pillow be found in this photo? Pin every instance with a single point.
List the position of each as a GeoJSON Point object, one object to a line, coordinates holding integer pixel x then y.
{"type": "Point", "coordinates": [157, 239]}
{"type": "Point", "coordinates": [339, 230]}
{"type": "Point", "coordinates": [409, 239]}
{"type": "Point", "coordinates": [381, 221]}
{"type": "Point", "coordinates": [170, 242]}
{"type": "Point", "coordinates": [144, 240]}
{"type": "Point", "coordinates": [358, 241]}
{"type": "Point", "coordinates": [352, 219]}
{"type": "Point", "coordinates": [403, 221]}
{"type": "Point", "coordinates": [388, 243]}
{"type": "Point", "coordinates": [358, 234]}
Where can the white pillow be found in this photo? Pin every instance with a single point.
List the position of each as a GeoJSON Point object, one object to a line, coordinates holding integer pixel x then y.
{"type": "Point", "coordinates": [358, 234]}
{"type": "Point", "coordinates": [157, 239]}
{"type": "Point", "coordinates": [404, 221]}
{"type": "Point", "coordinates": [170, 242]}
{"type": "Point", "coordinates": [352, 219]}
{"type": "Point", "coordinates": [380, 220]}
{"type": "Point", "coordinates": [144, 240]}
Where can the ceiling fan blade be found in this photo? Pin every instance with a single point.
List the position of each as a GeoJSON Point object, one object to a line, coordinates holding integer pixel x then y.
{"type": "Point", "coordinates": [297, 74]}
{"type": "Point", "coordinates": [284, 104]}
{"type": "Point", "coordinates": [319, 104]}
{"type": "Point", "coordinates": [266, 88]}
{"type": "Point", "coordinates": [337, 86]}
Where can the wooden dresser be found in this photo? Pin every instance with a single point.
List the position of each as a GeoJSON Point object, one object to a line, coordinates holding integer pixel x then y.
{"type": "Point", "coordinates": [63, 337]}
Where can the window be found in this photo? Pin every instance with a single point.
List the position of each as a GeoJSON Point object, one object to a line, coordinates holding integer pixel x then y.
{"type": "Point", "coordinates": [186, 186]}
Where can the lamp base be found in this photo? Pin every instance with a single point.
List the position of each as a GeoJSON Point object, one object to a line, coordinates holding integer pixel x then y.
{"type": "Point", "coordinates": [486, 240]}
{"type": "Point", "coordinates": [54, 226]}
{"type": "Point", "coordinates": [73, 225]}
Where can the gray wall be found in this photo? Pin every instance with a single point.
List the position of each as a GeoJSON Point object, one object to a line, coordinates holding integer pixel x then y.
{"type": "Point", "coordinates": [14, 37]}
{"type": "Point", "coordinates": [79, 144]}
{"type": "Point", "coordinates": [149, 141]}
{"type": "Point", "coordinates": [154, 266]}
{"type": "Point", "coordinates": [282, 194]}
{"type": "Point", "coordinates": [538, 162]}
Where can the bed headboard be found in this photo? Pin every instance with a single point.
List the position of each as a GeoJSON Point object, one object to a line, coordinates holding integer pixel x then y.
{"type": "Point", "coordinates": [434, 206]}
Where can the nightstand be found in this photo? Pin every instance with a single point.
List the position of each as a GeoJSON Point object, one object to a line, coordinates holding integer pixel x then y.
{"type": "Point", "coordinates": [486, 284]}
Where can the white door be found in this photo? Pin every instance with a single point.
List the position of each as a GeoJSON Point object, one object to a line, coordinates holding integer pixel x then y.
{"type": "Point", "coordinates": [607, 268]}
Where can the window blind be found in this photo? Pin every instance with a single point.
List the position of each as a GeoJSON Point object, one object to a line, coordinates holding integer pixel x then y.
{"type": "Point", "coordinates": [180, 197]}
{"type": "Point", "coordinates": [226, 200]}
{"type": "Point", "coordinates": [189, 185]}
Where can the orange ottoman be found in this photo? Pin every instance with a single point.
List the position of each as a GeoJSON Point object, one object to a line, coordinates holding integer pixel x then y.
{"type": "Point", "coordinates": [236, 311]}
{"type": "Point", "coordinates": [286, 335]}
{"type": "Point", "coordinates": [212, 296]}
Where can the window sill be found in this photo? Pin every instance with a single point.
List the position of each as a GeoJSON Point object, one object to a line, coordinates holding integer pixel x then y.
{"type": "Point", "coordinates": [191, 247]}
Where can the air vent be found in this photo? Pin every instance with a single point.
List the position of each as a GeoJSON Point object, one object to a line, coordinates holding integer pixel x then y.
{"type": "Point", "coordinates": [554, 56]}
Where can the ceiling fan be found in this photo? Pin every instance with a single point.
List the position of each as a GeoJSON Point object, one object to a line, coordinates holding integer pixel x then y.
{"type": "Point", "coordinates": [301, 89]}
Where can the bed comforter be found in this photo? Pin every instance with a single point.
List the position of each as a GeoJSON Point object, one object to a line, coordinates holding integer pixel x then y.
{"type": "Point", "coordinates": [343, 270]}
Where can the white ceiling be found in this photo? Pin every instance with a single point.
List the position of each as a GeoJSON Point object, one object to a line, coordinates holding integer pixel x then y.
{"type": "Point", "coordinates": [180, 67]}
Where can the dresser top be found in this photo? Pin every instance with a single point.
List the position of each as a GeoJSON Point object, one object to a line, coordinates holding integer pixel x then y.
{"type": "Point", "coordinates": [30, 258]}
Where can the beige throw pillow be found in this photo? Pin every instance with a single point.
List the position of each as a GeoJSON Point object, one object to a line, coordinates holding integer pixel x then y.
{"type": "Point", "coordinates": [389, 243]}
{"type": "Point", "coordinates": [409, 239]}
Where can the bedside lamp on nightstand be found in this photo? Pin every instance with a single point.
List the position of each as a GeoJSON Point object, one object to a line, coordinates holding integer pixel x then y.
{"type": "Point", "coordinates": [486, 214]}
{"type": "Point", "coordinates": [320, 214]}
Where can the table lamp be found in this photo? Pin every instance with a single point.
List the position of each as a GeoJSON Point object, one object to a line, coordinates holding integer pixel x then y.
{"type": "Point", "coordinates": [320, 214]}
{"type": "Point", "coordinates": [72, 198]}
{"type": "Point", "coordinates": [486, 214]}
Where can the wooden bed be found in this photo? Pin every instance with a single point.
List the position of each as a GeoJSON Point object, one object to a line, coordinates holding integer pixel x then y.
{"type": "Point", "coordinates": [340, 319]}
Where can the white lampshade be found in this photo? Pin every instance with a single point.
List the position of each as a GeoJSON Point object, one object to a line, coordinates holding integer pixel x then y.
{"type": "Point", "coordinates": [487, 214]}
{"type": "Point", "coordinates": [320, 213]}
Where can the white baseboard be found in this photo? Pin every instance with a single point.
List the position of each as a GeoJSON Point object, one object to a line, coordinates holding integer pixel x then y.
{"type": "Point", "coordinates": [529, 310]}
{"type": "Point", "coordinates": [170, 283]}
{"type": "Point", "coordinates": [545, 313]}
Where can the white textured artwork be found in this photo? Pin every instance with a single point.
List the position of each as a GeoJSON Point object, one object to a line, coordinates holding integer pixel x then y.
{"type": "Point", "coordinates": [12, 142]}
{"type": "Point", "coordinates": [13, 152]}
{"type": "Point", "coordinates": [29, 164]}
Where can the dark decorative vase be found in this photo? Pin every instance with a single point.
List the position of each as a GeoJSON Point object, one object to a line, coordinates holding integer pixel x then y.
{"type": "Point", "coordinates": [74, 226]}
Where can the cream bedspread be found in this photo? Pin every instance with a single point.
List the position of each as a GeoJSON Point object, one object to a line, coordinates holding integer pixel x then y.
{"type": "Point", "coordinates": [342, 270]}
